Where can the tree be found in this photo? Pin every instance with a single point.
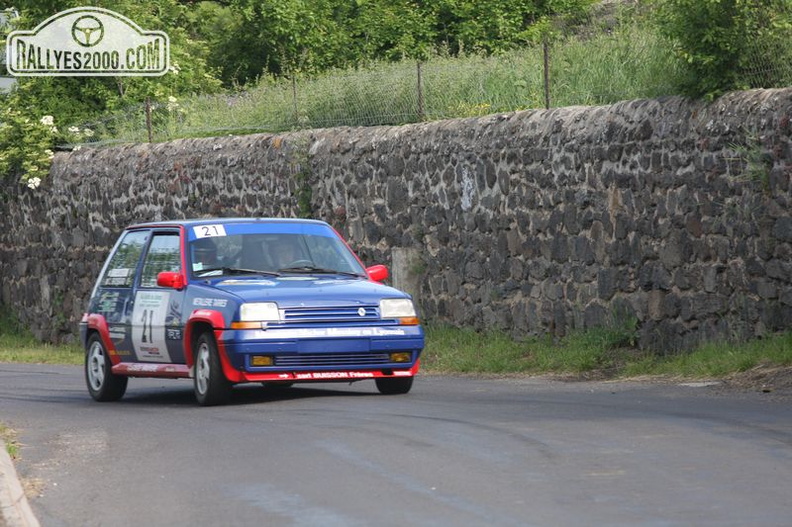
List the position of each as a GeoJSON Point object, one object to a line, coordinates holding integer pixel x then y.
{"type": "Point", "coordinates": [714, 38]}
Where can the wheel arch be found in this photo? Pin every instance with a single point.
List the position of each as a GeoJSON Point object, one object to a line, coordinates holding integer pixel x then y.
{"type": "Point", "coordinates": [207, 320]}
{"type": "Point", "coordinates": [97, 325]}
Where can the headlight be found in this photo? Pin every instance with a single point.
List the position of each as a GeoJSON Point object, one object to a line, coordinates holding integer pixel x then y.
{"type": "Point", "coordinates": [397, 308]}
{"type": "Point", "coordinates": [259, 312]}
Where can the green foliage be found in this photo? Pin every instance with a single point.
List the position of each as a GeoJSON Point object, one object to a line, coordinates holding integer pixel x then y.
{"type": "Point", "coordinates": [756, 162]}
{"type": "Point", "coordinates": [26, 142]}
{"type": "Point", "coordinates": [26, 145]}
{"type": "Point", "coordinates": [630, 61]}
{"type": "Point", "coordinates": [715, 39]}
{"type": "Point", "coordinates": [253, 38]}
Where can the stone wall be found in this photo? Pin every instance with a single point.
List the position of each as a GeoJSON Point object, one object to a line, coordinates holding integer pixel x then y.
{"type": "Point", "coordinates": [670, 212]}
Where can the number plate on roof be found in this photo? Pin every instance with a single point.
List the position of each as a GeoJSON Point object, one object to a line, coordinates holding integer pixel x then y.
{"type": "Point", "coordinates": [209, 231]}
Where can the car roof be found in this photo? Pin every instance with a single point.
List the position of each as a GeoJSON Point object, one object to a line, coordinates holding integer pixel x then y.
{"type": "Point", "coordinates": [224, 221]}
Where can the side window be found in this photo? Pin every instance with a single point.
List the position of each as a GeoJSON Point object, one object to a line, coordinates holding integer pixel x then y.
{"type": "Point", "coordinates": [163, 255]}
{"type": "Point", "coordinates": [121, 269]}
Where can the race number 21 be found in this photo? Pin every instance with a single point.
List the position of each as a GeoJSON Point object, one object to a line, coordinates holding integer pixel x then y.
{"type": "Point", "coordinates": [209, 231]}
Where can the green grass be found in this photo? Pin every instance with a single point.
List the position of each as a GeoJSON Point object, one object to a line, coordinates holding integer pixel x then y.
{"type": "Point", "coordinates": [628, 62]}
{"type": "Point", "coordinates": [718, 359]}
{"type": "Point", "coordinates": [18, 345]}
{"type": "Point", "coordinates": [23, 350]}
{"type": "Point", "coordinates": [607, 351]}
{"type": "Point", "coordinates": [8, 436]}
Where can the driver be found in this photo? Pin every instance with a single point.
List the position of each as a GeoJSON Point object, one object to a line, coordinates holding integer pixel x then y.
{"type": "Point", "coordinates": [204, 254]}
{"type": "Point", "coordinates": [285, 252]}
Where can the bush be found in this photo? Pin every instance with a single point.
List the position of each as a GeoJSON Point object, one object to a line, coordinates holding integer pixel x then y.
{"type": "Point", "coordinates": [717, 41]}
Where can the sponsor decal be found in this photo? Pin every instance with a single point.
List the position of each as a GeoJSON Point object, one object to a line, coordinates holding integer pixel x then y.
{"type": "Point", "coordinates": [210, 302]}
{"type": "Point", "coordinates": [143, 367]}
{"type": "Point", "coordinates": [148, 325]}
{"type": "Point", "coordinates": [335, 375]}
{"type": "Point", "coordinates": [277, 333]}
{"type": "Point", "coordinates": [269, 283]}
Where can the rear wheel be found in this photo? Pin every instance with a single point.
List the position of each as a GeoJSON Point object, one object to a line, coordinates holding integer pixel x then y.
{"type": "Point", "coordinates": [394, 385]}
{"type": "Point", "coordinates": [211, 386]}
{"type": "Point", "coordinates": [103, 385]}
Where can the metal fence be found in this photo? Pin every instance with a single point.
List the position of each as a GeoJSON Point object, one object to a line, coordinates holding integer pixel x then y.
{"type": "Point", "coordinates": [608, 59]}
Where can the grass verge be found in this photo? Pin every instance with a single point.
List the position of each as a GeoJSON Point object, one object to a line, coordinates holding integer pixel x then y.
{"type": "Point", "coordinates": [18, 345]}
{"type": "Point", "coordinates": [607, 352]}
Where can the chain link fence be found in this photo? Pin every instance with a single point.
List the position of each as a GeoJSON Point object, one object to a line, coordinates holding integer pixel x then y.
{"type": "Point", "coordinates": [611, 57]}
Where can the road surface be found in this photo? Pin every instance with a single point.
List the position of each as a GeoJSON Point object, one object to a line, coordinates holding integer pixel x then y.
{"type": "Point", "coordinates": [455, 451]}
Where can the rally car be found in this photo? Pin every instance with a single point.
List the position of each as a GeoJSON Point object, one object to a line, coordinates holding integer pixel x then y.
{"type": "Point", "coordinates": [228, 301]}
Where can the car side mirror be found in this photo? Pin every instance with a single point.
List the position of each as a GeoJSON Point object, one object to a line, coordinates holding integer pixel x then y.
{"type": "Point", "coordinates": [173, 280]}
{"type": "Point", "coordinates": [378, 273]}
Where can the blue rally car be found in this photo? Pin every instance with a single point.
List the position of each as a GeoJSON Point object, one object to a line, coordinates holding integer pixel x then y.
{"type": "Point", "coordinates": [227, 301]}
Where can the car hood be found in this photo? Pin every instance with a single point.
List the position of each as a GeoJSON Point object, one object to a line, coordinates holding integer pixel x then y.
{"type": "Point", "coordinates": [302, 290]}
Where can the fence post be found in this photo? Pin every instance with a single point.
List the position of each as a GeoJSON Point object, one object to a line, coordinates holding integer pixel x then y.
{"type": "Point", "coordinates": [546, 53]}
{"type": "Point", "coordinates": [421, 110]}
{"type": "Point", "coordinates": [294, 102]}
{"type": "Point", "coordinates": [148, 120]}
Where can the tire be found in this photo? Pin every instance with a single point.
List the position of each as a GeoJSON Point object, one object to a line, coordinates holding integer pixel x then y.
{"type": "Point", "coordinates": [394, 385]}
{"type": "Point", "coordinates": [211, 386]}
{"type": "Point", "coordinates": [103, 385]}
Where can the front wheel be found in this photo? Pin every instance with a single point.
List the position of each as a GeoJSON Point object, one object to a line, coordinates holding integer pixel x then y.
{"type": "Point", "coordinates": [211, 386]}
{"type": "Point", "coordinates": [103, 385]}
{"type": "Point", "coordinates": [394, 385]}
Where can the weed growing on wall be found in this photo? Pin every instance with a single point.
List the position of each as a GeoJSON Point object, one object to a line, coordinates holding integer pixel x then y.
{"type": "Point", "coordinates": [756, 162]}
{"type": "Point", "coordinates": [300, 168]}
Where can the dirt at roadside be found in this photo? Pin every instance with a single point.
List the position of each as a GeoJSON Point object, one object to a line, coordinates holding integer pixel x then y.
{"type": "Point", "coordinates": [766, 379]}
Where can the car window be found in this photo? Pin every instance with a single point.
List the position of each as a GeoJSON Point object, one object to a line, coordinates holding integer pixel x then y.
{"type": "Point", "coordinates": [330, 253]}
{"type": "Point", "coordinates": [121, 269]}
{"type": "Point", "coordinates": [163, 255]}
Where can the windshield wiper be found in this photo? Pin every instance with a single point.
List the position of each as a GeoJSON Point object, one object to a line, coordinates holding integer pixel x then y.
{"type": "Point", "coordinates": [234, 270]}
{"type": "Point", "coordinates": [307, 269]}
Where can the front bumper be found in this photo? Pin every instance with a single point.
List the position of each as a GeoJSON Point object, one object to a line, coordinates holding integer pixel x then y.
{"type": "Point", "coordinates": [331, 353]}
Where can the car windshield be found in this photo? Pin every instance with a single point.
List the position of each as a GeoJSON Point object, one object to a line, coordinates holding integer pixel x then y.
{"type": "Point", "coordinates": [263, 249]}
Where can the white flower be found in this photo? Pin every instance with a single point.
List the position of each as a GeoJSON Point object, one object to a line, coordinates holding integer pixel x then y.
{"type": "Point", "coordinates": [76, 148]}
{"type": "Point", "coordinates": [74, 129]}
{"type": "Point", "coordinates": [49, 153]}
{"type": "Point", "coordinates": [173, 104]}
{"type": "Point", "coordinates": [34, 182]}
{"type": "Point", "coordinates": [88, 132]}
{"type": "Point", "coordinates": [47, 120]}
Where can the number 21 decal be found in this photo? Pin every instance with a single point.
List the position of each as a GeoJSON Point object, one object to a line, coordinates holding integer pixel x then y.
{"type": "Point", "coordinates": [209, 231]}
{"type": "Point", "coordinates": [148, 326]}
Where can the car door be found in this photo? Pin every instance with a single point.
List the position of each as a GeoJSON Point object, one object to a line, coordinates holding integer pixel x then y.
{"type": "Point", "coordinates": [114, 296]}
{"type": "Point", "coordinates": [157, 314]}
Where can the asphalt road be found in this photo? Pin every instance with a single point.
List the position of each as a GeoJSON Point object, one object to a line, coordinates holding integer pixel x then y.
{"type": "Point", "coordinates": [455, 451]}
